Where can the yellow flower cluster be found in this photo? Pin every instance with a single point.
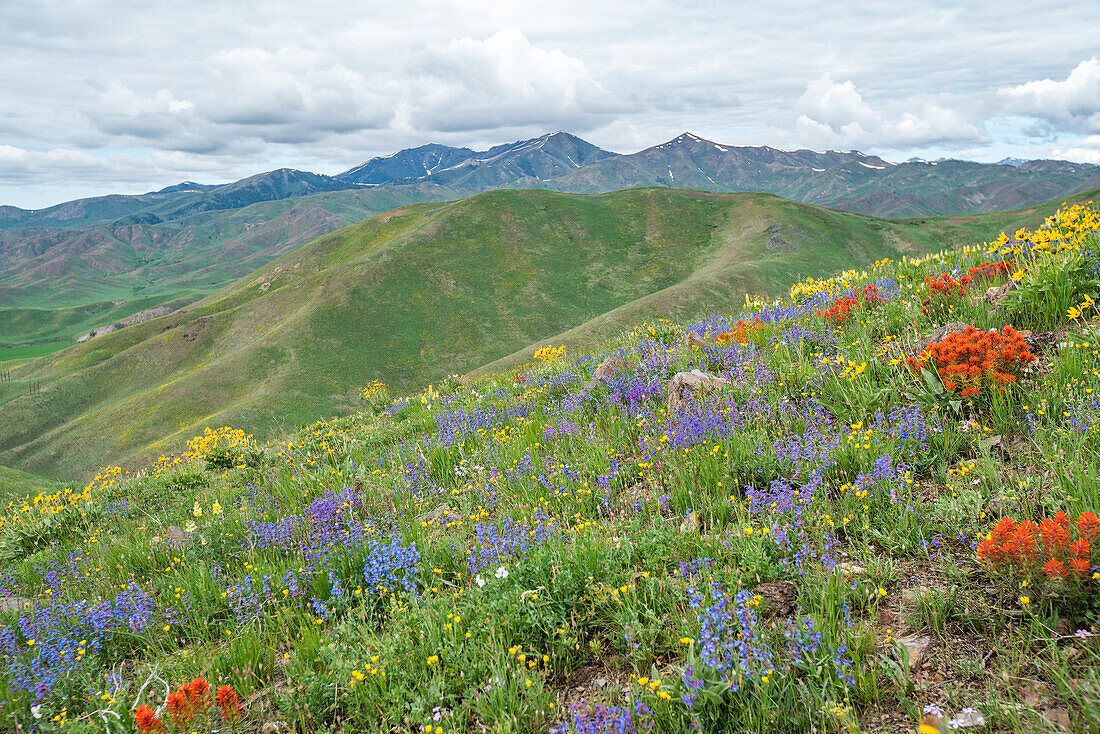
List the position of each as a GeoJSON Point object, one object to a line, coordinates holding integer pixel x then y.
{"type": "Point", "coordinates": [48, 504]}
{"type": "Point", "coordinates": [374, 389]}
{"type": "Point", "coordinates": [548, 352]}
{"type": "Point", "coordinates": [200, 447]}
{"type": "Point", "coordinates": [836, 284]}
{"type": "Point", "coordinates": [655, 686]}
{"type": "Point", "coordinates": [1066, 229]}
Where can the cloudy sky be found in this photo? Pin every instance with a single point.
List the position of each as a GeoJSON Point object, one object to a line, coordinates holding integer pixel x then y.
{"type": "Point", "coordinates": [104, 96]}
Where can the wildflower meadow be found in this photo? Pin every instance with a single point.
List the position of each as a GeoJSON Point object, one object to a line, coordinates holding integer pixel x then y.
{"type": "Point", "coordinates": [874, 508]}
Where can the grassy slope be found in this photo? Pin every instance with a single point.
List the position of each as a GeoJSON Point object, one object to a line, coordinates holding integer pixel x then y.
{"type": "Point", "coordinates": [794, 551]}
{"type": "Point", "coordinates": [200, 252]}
{"type": "Point", "coordinates": [429, 290]}
{"type": "Point", "coordinates": [21, 327]}
{"type": "Point", "coordinates": [15, 483]}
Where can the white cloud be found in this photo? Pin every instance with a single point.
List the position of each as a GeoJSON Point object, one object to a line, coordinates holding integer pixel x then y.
{"type": "Point", "coordinates": [60, 166]}
{"type": "Point", "coordinates": [253, 85]}
{"type": "Point", "coordinates": [1073, 103]}
{"type": "Point", "coordinates": [503, 80]}
{"type": "Point", "coordinates": [1086, 150]}
{"type": "Point", "coordinates": [833, 114]}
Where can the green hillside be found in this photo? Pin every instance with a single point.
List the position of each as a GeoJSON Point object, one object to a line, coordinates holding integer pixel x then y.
{"type": "Point", "coordinates": [425, 291]}
{"type": "Point", "coordinates": [15, 483]}
{"type": "Point", "coordinates": [202, 251]}
{"type": "Point", "coordinates": [822, 513]}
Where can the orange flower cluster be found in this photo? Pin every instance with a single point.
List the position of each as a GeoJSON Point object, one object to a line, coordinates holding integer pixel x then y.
{"type": "Point", "coordinates": [944, 292]}
{"type": "Point", "coordinates": [871, 296]}
{"type": "Point", "coordinates": [971, 360]}
{"type": "Point", "coordinates": [840, 310]}
{"type": "Point", "coordinates": [189, 704]}
{"type": "Point", "coordinates": [739, 333]}
{"type": "Point", "coordinates": [1050, 545]}
{"type": "Point", "coordinates": [990, 271]}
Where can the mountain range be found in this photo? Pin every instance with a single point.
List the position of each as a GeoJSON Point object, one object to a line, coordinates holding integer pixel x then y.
{"type": "Point", "coordinates": [852, 181]}
{"type": "Point", "coordinates": [68, 269]}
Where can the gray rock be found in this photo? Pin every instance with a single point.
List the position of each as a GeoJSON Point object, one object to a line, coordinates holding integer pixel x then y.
{"type": "Point", "coordinates": [608, 367]}
{"type": "Point", "coordinates": [997, 295]}
{"type": "Point", "coordinates": [13, 603]}
{"type": "Point", "coordinates": [437, 514]}
{"type": "Point", "coordinates": [177, 539]}
{"type": "Point", "coordinates": [695, 382]}
{"type": "Point", "coordinates": [953, 327]}
{"type": "Point", "coordinates": [917, 648]}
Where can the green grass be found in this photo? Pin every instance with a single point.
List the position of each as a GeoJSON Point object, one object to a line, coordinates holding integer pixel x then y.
{"type": "Point", "coordinates": [15, 483]}
{"type": "Point", "coordinates": [426, 291]}
{"type": "Point", "coordinates": [31, 351]}
{"type": "Point", "coordinates": [517, 551]}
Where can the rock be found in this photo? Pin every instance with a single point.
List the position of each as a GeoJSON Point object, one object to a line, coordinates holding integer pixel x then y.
{"type": "Point", "coordinates": [13, 603]}
{"type": "Point", "coordinates": [436, 514]}
{"type": "Point", "coordinates": [1059, 717]}
{"type": "Point", "coordinates": [997, 295]}
{"type": "Point", "coordinates": [274, 727]}
{"type": "Point", "coordinates": [690, 523]}
{"type": "Point", "coordinates": [610, 366]}
{"type": "Point", "coordinates": [997, 447]}
{"type": "Point", "coordinates": [601, 682]}
{"type": "Point", "coordinates": [917, 648]}
{"type": "Point", "coordinates": [967, 718]}
{"type": "Point", "coordinates": [779, 596]}
{"type": "Point", "coordinates": [850, 569]}
{"type": "Point", "coordinates": [1040, 344]}
{"type": "Point", "coordinates": [177, 539]}
{"type": "Point", "coordinates": [694, 340]}
{"type": "Point", "coordinates": [695, 382]}
{"type": "Point", "coordinates": [952, 327]}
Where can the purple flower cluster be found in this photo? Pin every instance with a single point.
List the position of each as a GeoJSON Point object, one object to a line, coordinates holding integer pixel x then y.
{"type": "Point", "coordinates": [51, 640]}
{"type": "Point", "coordinates": [588, 718]}
{"type": "Point", "coordinates": [454, 426]}
{"type": "Point", "coordinates": [509, 539]}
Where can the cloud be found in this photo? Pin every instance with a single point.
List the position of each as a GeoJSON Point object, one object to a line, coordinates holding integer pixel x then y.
{"type": "Point", "coordinates": [503, 80]}
{"type": "Point", "coordinates": [253, 85]}
{"type": "Point", "coordinates": [61, 166]}
{"type": "Point", "coordinates": [250, 98]}
{"type": "Point", "coordinates": [834, 114]}
{"type": "Point", "coordinates": [1072, 104]}
{"type": "Point", "coordinates": [1086, 150]}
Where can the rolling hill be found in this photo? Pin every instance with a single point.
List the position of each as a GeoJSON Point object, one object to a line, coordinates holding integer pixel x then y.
{"type": "Point", "coordinates": [424, 291]}
{"type": "Point", "coordinates": [193, 238]}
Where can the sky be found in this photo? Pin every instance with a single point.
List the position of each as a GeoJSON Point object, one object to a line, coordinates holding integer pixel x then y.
{"type": "Point", "coordinates": [128, 96]}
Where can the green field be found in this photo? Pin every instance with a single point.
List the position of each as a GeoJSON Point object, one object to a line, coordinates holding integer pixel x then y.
{"type": "Point", "coordinates": [15, 483]}
{"type": "Point", "coordinates": [418, 293]}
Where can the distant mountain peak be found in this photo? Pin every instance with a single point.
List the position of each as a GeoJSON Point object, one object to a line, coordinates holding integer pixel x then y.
{"type": "Point", "coordinates": [535, 159]}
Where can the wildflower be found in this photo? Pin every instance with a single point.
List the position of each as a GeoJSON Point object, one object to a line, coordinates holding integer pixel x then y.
{"type": "Point", "coordinates": [146, 719]}
{"type": "Point", "coordinates": [228, 705]}
{"type": "Point", "coordinates": [501, 573]}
